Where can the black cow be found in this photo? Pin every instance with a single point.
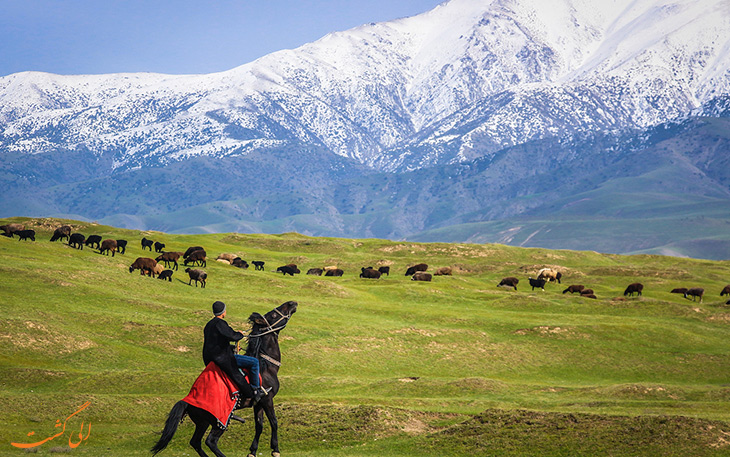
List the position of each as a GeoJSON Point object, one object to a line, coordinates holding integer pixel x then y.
{"type": "Point", "coordinates": [166, 274]}
{"type": "Point", "coordinates": [93, 240]}
{"type": "Point", "coordinates": [384, 270]}
{"type": "Point", "coordinates": [147, 244]}
{"type": "Point", "coordinates": [290, 270]}
{"type": "Point", "coordinates": [159, 246]}
{"type": "Point", "coordinates": [26, 234]}
{"type": "Point", "coordinates": [61, 232]}
{"type": "Point", "coordinates": [259, 265]}
{"type": "Point", "coordinates": [122, 246]}
{"type": "Point", "coordinates": [76, 240]}
{"type": "Point", "coordinates": [509, 281]}
{"type": "Point", "coordinates": [334, 272]}
{"type": "Point", "coordinates": [370, 273]}
{"type": "Point", "coordinates": [537, 283]}
{"type": "Point", "coordinates": [412, 270]}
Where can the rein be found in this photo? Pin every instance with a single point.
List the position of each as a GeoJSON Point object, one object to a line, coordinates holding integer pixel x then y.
{"type": "Point", "coordinates": [270, 327]}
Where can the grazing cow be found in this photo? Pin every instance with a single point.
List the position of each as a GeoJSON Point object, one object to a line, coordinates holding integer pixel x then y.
{"type": "Point", "coordinates": [537, 283]}
{"type": "Point", "coordinates": [122, 246]}
{"type": "Point", "coordinates": [587, 292]}
{"type": "Point", "coordinates": [108, 246]}
{"type": "Point", "coordinates": [165, 274]}
{"type": "Point", "coordinates": [370, 273]}
{"type": "Point", "coordinates": [315, 271]}
{"type": "Point", "coordinates": [9, 229]}
{"type": "Point", "coordinates": [290, 269]}
{"type": "Point", "coordinates": [443, 271]}
{"type": "Point", "coordinates": [226, 256]}
{"type": "Point", "coordinates": [574, 288]}
{"type": "Point", "coordinates": [421, 276]}
{"type": "Point", "coordinates": [239, 263]}
{"type": "Point", "coordinates": [192, 249]}
{"type": "Point", "coordinates": [334, 272]}
{"type": "Point", "coordinates": [76, 240]}
{"type": "Point", "coordinates": [634, 288]}
{"type": "Point", "coordinates": [159, 246]}
{"type": "Point", "coordinates": [145, 265]}
{"type": "Point", "coordinates": [412, 270]}
{"type": "Point", "coordinates": [198, 256]}
{"type": "Point", "coordinates": [93, 240]}
{"type": "Point", "coordinates": [197, 275]}
{"type": "Point", "coordinates": [549, 274]}
{"type": "Point", "coordinates": [258, 265]}
{"type": "Point", "coordinates": [158, 269]}
{"type": "Point", "coordinates": [695, 292]}
{"type": "Point", "coordinates": [680, 290]}
{"type": "Point", "coordinates": [725, 291]}
{"type": "Point", "coordinates": [61, 232]}
{"type": "Point", "coordinates": [147, 244]}
{"type": "Point", "coordinates": [384, 270]}
{"type": "Point", "coordinates": [169, 257]}
{"type": "Point", "coordinates": [509, 281]}
{"type": "Point", "coordinates": [26, 234]}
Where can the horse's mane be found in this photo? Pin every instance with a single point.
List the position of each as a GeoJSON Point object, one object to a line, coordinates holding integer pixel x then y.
{"type": "Point", "coordinates": [253, 349]}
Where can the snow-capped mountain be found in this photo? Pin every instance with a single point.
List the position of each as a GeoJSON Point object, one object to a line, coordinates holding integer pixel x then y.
{"type": "Point", "coordinates": [456, 83]}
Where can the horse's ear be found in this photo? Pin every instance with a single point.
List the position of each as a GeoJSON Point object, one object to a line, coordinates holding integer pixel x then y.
{"type": "Point", "coordinates": [256, 318]}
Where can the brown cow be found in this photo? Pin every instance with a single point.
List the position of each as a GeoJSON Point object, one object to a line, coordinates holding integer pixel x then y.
{"type": "Point", "coordinates": [421, 276]}
{"type": "Point", "coordinates": [443, 271]}
{"type": "Point", "coordinates": [108, 246]}
{"type": "Point", "coordinates": [145, 265]}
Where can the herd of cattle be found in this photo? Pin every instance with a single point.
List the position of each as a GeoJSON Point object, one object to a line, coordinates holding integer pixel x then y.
{"type": "Point", "coordinates": [197, 256]}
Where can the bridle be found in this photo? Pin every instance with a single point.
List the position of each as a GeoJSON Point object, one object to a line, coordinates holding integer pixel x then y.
{"type": "Point", "coordinates": [271, 328]}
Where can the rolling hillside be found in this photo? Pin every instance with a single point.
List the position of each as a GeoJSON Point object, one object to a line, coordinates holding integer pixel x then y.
{"type": "Point", "coordinates": [373, 367]}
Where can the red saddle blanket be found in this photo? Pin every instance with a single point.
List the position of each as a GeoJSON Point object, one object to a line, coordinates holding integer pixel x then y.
{"type": "Point", "coordinates": [214, 392]}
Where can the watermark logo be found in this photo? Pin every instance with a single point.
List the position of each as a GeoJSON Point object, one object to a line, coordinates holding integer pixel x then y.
{"type": "Point", "coordinates": [62, 425]}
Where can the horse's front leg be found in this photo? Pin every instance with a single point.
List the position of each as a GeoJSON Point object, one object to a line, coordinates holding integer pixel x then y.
{"type": "Point", "coordinates": [271, 415]}
{"type": "Point", "coordinates": [258, 416]}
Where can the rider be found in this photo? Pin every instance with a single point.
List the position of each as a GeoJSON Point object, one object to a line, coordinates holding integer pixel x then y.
{"type": "Point", "coordinates": [216, 348]}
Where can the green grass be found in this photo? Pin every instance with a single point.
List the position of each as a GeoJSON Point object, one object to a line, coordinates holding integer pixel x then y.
{"type": "Point", "coordinates": [390, 367]}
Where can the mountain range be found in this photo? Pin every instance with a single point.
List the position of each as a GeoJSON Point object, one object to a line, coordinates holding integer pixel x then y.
{"type": "Point", "coordinates": [578, 124]}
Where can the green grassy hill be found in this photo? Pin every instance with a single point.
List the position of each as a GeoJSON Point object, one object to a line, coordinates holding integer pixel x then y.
{"type": "Point", "coordinates": [386, 367]}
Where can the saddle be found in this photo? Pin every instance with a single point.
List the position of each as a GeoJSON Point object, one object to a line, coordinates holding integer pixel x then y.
{"type": "Point", "coordinates": [214, 392]}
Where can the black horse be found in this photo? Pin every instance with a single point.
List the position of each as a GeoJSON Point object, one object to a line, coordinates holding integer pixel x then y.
{"type": "Point", "coordinates": [263, 343]}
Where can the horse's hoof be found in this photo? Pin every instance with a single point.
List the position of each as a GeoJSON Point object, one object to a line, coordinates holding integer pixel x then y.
{"type": "Point", "coordinates": [250, 455]}
{"type": "Point", "coordinates": [275, 454]}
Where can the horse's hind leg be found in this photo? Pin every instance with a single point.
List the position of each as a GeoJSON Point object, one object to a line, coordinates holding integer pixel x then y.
{"type": "Point", "coordinates": [197, 440]}
{"type": "Point", "coordinates": [212, 441]}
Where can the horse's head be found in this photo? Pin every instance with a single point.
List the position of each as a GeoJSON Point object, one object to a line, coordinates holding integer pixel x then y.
{"type": "Point", "coordinates": [274, 320]}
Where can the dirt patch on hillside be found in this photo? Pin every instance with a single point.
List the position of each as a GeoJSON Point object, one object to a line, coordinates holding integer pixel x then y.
{"type": "Point", "coordinates": [343, 425]}
{"type": "Point", "coordinates": [36, 336]}
{"type": "Point", "coordinates": [542, 433]}
{"type": "Point", "coordinates": [328, 288]}
{"type": "Point", "coordinates": [552, 331]}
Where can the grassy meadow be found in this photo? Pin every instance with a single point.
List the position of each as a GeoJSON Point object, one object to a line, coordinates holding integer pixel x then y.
{"type": "Point", "coordinates": [388, 367]}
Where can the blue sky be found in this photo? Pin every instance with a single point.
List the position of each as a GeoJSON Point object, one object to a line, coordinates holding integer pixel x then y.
{"type": "Point", "coordinates": [177, 37]}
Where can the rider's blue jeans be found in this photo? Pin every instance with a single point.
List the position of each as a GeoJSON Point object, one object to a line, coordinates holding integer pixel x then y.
{"type": "Point", "coordinates": [252, 365]}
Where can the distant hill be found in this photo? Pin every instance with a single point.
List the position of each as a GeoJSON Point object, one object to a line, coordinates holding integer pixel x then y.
{"type": "Point", "coordinates": [494, 121]}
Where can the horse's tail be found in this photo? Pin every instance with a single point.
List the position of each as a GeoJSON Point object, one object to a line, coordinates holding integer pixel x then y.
{"type": "Point", "coordinates": [173, 420]}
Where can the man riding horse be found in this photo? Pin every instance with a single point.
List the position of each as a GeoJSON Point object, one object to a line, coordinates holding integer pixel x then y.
{"type": "Point", "coordinates": [217, 336]}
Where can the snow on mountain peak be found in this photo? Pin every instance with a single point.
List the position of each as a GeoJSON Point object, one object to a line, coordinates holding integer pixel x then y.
{"type": "Point", "coordinates": [469, 75]}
